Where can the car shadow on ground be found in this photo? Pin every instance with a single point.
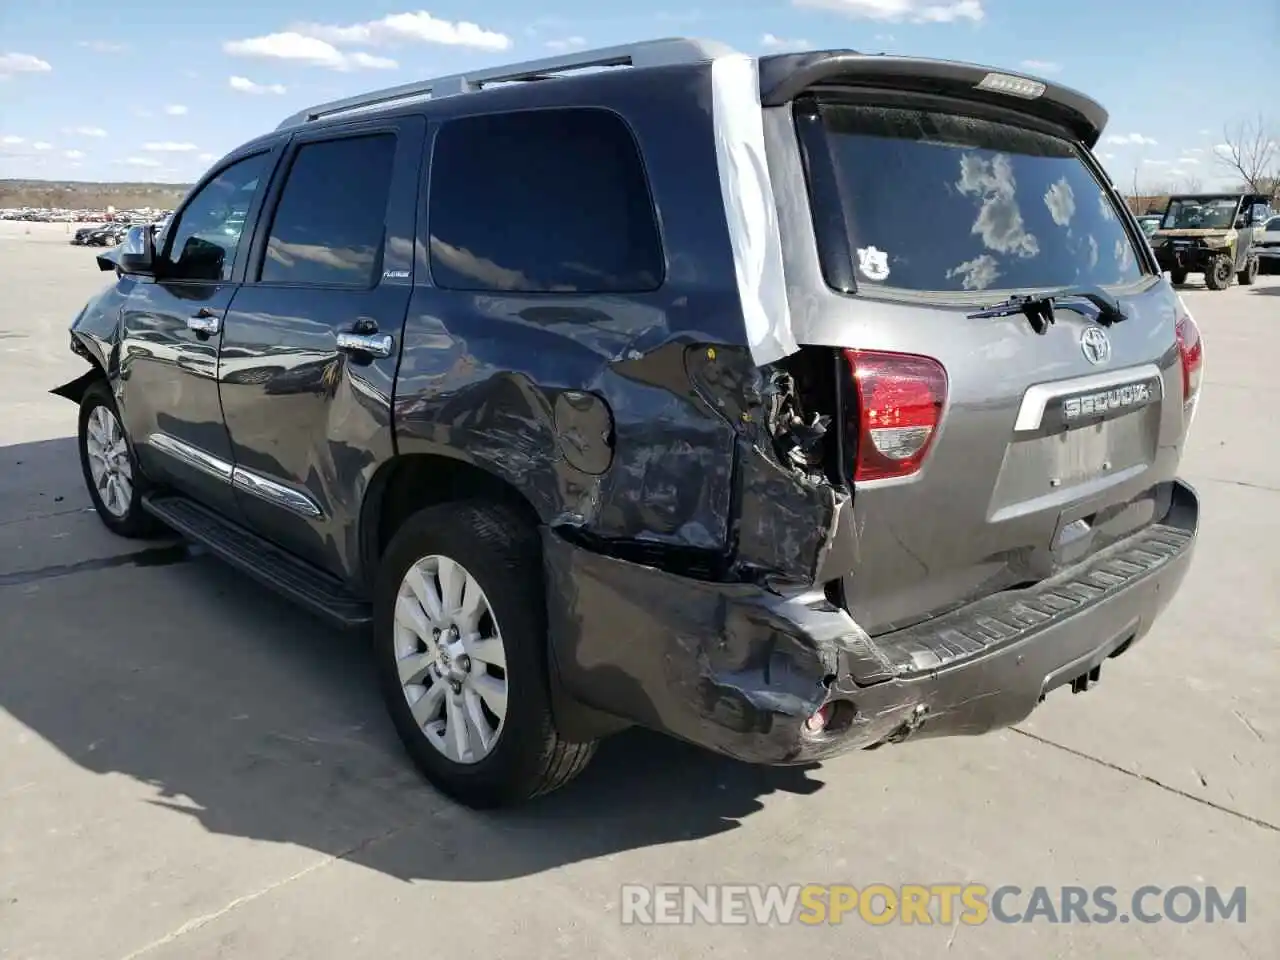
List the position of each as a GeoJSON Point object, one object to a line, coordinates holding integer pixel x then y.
{"type": "Point", "coordinates": [1270, 291]}
{"type": "Point", "coordinates": [230, 706]}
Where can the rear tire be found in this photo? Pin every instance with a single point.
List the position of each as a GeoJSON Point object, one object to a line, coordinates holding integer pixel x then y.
{"type": "Point", "coordinates": [111, 473]}
{"type": "Point", "coordinates": [1217, 275]}
{"type": "Point", "coordinates": [1249, 273]}
{"type": "Point", "coordinates": [476, 566]}
{"type": "Point", "coordinates": [1177, 277]}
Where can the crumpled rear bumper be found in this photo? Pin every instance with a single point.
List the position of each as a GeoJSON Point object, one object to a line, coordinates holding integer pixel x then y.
{"type": "Point", "coordinates": [739, 670]}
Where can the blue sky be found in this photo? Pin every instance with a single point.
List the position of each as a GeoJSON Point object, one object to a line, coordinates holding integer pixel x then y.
{"type": "Point", "coordinates": [131, 90]}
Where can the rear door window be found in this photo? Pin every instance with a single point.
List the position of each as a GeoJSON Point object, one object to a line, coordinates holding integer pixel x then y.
{"type": "Point", "coordinates": [542, 201]}
{"type": "Point", "coordinates": [937, 203]}
{"type": "Point", "coordinates": [329, 225]}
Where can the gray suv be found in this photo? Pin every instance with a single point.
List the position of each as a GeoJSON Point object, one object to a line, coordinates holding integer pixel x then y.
{"type": "Point", "coordinates": [788, 405]}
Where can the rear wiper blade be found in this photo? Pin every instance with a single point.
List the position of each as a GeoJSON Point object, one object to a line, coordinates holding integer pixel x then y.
{"type": "Point", "coordinates": [1038, 308]}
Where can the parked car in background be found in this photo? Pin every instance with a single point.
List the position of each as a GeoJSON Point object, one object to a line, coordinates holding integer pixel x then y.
{"type": "Point", "coordinates": [600, 425]}
{"type": "Point", "coordinates": [105, 235]}
{"type": "Point", "coordinates": [1267, 244]}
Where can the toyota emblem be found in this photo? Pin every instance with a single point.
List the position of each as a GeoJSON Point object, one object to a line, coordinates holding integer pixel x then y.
{"type": "Point", "coordinates": [1096, 345]}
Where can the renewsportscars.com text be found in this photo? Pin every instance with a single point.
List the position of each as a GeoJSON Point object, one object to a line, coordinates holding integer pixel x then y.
{"type": "Point", "coordinates": [942, 903]}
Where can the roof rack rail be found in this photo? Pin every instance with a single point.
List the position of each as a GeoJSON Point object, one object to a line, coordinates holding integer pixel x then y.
{"type": "Point", "coordinates": [646, 53]}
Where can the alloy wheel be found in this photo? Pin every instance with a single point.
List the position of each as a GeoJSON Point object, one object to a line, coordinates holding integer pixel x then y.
{"type": "Point", "coordinates": [451, 659]}
{"type": "Point", "coordinates": [109, 463]}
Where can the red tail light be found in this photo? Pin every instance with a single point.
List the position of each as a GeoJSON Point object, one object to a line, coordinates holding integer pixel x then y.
{"type": "Point", "coordinates": [900, 401]}
{"type": "Point", "coordinates": [1191, 352]}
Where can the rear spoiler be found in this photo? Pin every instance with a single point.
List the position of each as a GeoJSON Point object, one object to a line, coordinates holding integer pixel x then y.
{"type": "Point", "coordinates": [783, 77]}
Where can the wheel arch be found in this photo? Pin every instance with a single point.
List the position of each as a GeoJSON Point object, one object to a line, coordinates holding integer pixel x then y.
{"type": "Point", "coordinates": [408, 483]}
{"type": "Point", "coordinates": [86, 347]}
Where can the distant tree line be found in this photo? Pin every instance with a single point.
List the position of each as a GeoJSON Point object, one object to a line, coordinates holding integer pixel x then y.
{"type": "Point", "coordinates": [72, 195]}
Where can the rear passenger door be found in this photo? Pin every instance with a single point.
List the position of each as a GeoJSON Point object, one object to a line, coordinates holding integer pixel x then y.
{"type": "Point", "coordinates": [311, 340]}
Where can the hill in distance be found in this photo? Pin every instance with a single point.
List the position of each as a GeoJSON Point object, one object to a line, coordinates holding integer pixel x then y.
{"type": "Point", "coordinates": [76, 195]}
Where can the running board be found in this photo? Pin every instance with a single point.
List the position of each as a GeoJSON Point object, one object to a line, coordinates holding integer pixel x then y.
{"type": "Point", "coordinates": [304, 584]}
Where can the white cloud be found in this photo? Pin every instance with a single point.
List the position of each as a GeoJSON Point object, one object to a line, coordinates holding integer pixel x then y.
{"type": "Point", "coordinates": [568, 43]}
{"type": "Point", "coordinates": [103, 46]}
{"type": "Point", "coordinates": [1205, 133]}
{"type": "Point", "coordinates": [885, 37]}
{"type": "Point", "coordinates": [308, 50]}
{"type": "Point", "coordinates": [915, 11]}
{"type": "Point", "coordinates": [85, 131]}
{"type": "Point", "coordinates": [1108, 156]}
{"type": "Point", "coordinates": [1222, 149]}
{"type": "Point", "coordinates": [175, 110]}
{"type": "Point", "coordinates": [142, 162]}
{"type": "Point", "coordinates": [42, 145]}
{"type": "Point", "coordinates": [11, 63]}
{"type": "Point", "coordinates": [978, 273]}
{"type": "Point", "coordinates": [245, 85]}
{"type": "Point", "coordinates": [207, 157]}
{"type": "Point", "coordinates": [367, 61]}
{"type": "Point", "coordinates": [12, 140]}
{"type": "Point", "coordinates": [1041, 66]}
{"type": "Point", "coordinates": [74, 154]}
{"type": "Point", "coordinates": [999, 221]}
{"type": "Point", "coordinates": [1061, 202]}
{"type": "Point", "coordinates": [417, 27]}
{"type": "Point", "coordinates": [772, 42]}
{"type": "Point", "coordinates": [1131, 138]}
{"type": "Point", "coordinates": [168, 146]}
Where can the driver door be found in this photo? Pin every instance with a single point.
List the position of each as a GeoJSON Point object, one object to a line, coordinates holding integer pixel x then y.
{"type": "Point", "coordinates": [171, 330]}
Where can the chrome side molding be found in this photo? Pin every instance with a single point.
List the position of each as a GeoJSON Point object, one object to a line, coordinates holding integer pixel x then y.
{"type": "Point", "coordinates": [290, 498]}
{"type": "Point", "coordinates": [277, 493]}
{"type": "Point", "coordinates": [191, 455]}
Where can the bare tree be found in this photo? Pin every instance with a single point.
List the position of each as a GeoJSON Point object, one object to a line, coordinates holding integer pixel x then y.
{"type": "Point", "coordinates": [1251, 151]}
{"type": "Point", "coordinates": [1191, 184]}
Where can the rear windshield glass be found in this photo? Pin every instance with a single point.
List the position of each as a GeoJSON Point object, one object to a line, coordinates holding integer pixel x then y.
{"type": "Point", "coordinates": [941, 203]}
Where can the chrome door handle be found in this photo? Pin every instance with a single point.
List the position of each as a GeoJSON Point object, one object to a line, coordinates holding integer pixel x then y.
{"type": "Point", "coordinates": [205, 323]}
{"type": "Point", "coordinates": [373, 344]}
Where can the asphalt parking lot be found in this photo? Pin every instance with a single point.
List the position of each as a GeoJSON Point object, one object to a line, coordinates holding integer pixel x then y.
{"type": "Point", "coordinates": [191, 768]}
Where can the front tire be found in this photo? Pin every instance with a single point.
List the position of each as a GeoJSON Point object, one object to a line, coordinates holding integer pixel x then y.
{"type": "Point", "coordinates": [460, 637]}
{"type": "Point", "coordinates": [1177, 277]}
{"type": "Point", "coordinates": [1217, 275]}
{"type": "Point", "coordinates": [111, 473]}
{"type": "Point", "coordinates": [1249, 273]}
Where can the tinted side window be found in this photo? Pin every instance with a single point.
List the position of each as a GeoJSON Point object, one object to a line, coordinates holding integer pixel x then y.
{"type": "Point", "coordinates": [329, 224]}
{"type": "Point", "coordinates": [203, 239]}
{"type": "Point", "coordinates": [548, 200]}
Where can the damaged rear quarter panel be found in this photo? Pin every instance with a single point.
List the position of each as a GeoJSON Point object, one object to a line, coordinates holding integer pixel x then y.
{"type": "Point", "coordinates": [522, 385]}
{"type": "Point", "coordinates": [482, 375]}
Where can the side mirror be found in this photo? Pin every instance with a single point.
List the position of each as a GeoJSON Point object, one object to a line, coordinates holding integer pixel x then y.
{"type": "Point", "coordinates": [138, 251]}
{"type": "Point", "coordinates": [1241, 223]}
